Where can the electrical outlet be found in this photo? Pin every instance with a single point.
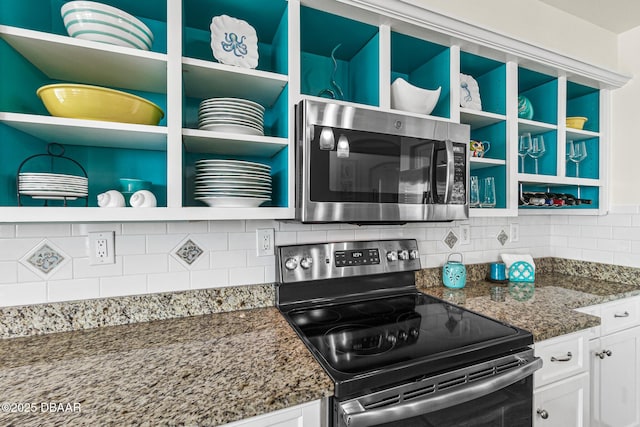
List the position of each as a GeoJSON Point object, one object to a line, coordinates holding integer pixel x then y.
{"type": "Point", "coordinates": [265, 241]}
{"type": "Point", "coordinates": [514, 232]}
{"type": "Point", "coordinates": [465, 234]}
{"type": "Point", "coordinates": [101, 248]}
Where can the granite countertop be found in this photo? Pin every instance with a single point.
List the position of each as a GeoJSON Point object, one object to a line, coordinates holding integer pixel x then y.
{"type": "Point", "coordinates": [550, 310]}
{"type": "Point", "coordinates": [203, 370]}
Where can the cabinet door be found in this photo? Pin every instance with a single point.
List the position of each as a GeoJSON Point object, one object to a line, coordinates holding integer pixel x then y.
{"type": "Point", "coordinates": [616, 380]}
{"type": "Point", "coordinates": [307, 415]}
{"type": "Point", "coordinates": [563, 403]}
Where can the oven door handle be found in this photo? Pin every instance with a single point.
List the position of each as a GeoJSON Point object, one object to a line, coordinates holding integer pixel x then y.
{"type": "Point", "coordinates": [355, 415]}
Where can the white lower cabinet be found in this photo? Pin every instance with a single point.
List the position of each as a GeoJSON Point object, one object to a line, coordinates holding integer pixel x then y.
{"type": "Point", "coordinates": [563, 403]}
{"type": "Point", "coordinates": [614, 353]}
{"type": "Point", "coordinates": [561, 386]}
{"type": "Point", "coordinates": [305, 415]}
{"type": "Point", "coordinates": [615, 379]}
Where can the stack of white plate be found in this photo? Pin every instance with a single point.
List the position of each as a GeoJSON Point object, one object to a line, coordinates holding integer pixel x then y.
{"type": "Point", "coordinates": [52, 186]}
{"type": "Point", "coordinates": [99, 22]}
{"type": "Point", "coordinates": [231, 115]}
{"type": "Point", "coordinates": [232, 183]}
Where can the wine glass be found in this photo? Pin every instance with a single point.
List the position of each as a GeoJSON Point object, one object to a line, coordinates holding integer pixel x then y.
{"type": "Point", "coordinates": [578, 154]}
{"type": "Point", "coordinates": [523, 148]}
{"type": "Point", "coordinates": [537, 150]}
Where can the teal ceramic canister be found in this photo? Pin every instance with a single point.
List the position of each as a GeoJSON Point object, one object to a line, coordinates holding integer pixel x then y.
{"type": "Point", "coordinates": [454, 273]}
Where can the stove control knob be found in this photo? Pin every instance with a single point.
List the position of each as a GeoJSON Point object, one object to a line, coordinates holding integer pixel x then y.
{"type": "Point", "coordinates": [392, 339]}
{"type": "Point", "coordinates": [413, 332]}
{"type": "Point", "coordinates": [403, 255]}
{"type": "Point", "coordinates": [413, 254]}
{"type": "Point", "coordinates": [291, 264]}
{"type": "Point", "coordinates": [306, 262]}
{"type": "Point", "coordinates": [402, 335]}
{"type": "Point", "coordinates": [392, 256]}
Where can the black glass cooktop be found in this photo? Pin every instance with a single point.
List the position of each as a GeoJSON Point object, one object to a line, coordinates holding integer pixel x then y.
{"type": "Point", "coordinates": [357, 339]}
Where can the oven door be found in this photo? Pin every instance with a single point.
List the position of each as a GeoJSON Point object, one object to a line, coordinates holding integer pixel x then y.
{"type": "Point", "coordinates": [364, 166]}
{"type": "Point", "coordinates": [497, 393]}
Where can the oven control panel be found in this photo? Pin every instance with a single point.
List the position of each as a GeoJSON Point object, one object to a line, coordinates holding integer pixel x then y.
{"type": "Point", "coordinates": [298, 263]}
{"type": "Point", "coordinates": [356, 257]}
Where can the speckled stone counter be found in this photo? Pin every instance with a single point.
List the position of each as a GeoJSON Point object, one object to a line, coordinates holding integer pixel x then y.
{"type": "Point", "coordinates": [550, 310]}
{"type": "Point", "coordinates": [203, 370]}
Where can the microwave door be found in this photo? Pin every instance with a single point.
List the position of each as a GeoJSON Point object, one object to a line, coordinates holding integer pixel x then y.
{"type": "Point", "coordinates": [414, 185]}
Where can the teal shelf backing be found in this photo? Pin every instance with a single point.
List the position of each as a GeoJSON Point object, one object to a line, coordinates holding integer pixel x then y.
{"type": "Point", "coordinates": [584, 101]}
{"type": "Point", "coordinates": [542, 91]}
{"type": "Point", "coordinates": [500, 175]}
{"type": "Point", "coordinates": [492, 80]}
{"type": "Point", "coordinates": [547, 162]}
{"type": "Point", "coordinates": [20, 98]}
{"type": "Point", "coordinates": [496, 135]}
{"type": "Point", "coordinates": [269, 22]}
{"type": "Point", "coordinates": [589, 167]}
{"type": "Point", "coordinates": [357, 57]}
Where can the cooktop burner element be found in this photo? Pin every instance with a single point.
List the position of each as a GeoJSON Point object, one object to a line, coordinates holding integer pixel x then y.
{"type": "Point", "coordinates": [369, 326]}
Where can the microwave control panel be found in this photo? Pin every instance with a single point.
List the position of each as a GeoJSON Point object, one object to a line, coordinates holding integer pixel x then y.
{"type": "Point", "coordinates": [458, 194]}
{"type": "Point", "coordinates": [356, 257]}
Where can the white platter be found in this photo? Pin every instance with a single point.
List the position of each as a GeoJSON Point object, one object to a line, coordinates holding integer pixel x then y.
{"type": "Point", "coordinates": [469, 93]}
{"type": "Point", "coordinates": [234, 163]}
{"type": "Point", "coordinates": [234, 42]}
{"type": "Point", "coordinates": [53, 193]}
{"type": "Point", "coordinates": [243, 130]}
{"type": "Point", "coordinates": [232, 102]}
{"type": "Point", "coordinates": [232, 202]}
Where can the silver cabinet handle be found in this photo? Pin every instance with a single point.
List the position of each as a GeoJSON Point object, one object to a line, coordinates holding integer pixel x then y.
{"type": "Point", "coordinates": [563, 359]}
{"type": "Point", "coordinates": [543, 414]}
{"type": "Point", "coordinates": [604, 353]}
{"type": "Point", "coordinates": [625, 314]}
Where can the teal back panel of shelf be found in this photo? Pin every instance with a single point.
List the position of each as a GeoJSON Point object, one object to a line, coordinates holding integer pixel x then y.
{"type": "Point", "coordinates": [547, 164]}
{"type": "Point", "coordinates": [542, 91]}
{"type": "Point", "coordinates": [276, 118]}
{"type": "Point", "coordinates": [433, 74]}
{"type": "Point", "coordinates": [316, 75]}
{"type": "Point", "coordinates": [591, 193]}
{"type": "Point", "coordinates": [409, 53]}
{"type": "Point", "coordinates": [19, 98]}
{"type": "Point", "coordinates": [492, 80]}
{"type": "Point", "coordinates": [365, 83]}
{"type": "Point", "coordinates": [31, 14]}
{"type": "Point", "coordinates": [587, 105]}
{"type": "Point", "coordinates": [280, 54]}
{"type": "Point", "coordinates": [496, 135]}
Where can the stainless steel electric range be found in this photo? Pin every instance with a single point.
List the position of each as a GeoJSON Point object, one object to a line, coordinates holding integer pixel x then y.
{"type": "Point", "coordinates": [399, 357]}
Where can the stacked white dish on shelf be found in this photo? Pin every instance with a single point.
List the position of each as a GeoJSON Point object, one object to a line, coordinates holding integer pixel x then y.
{"type": "Point", "coordinates": [233, 115]}
{"type": "Point", "coordinates": [99, 22]}
{"type": "Point", "coordinates": [232, 183]}
{"type": "Point", "coordinates": [52, 186]}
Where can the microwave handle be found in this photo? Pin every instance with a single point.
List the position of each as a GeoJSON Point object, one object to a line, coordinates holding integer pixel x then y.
{"type": "Point", "coordinates": [354, 414]}
{"type": "Point", "coordinates": [450, 174]}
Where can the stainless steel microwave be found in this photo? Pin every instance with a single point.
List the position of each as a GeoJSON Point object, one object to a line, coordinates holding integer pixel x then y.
{"type": "Point", "coordinates": [360, 165]}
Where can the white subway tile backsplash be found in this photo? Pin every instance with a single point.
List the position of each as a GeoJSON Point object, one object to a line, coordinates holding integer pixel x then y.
{"type": "Point", "coordinates": [228, 259]}
{"type": "Point", "coordinates": [149, 263]}
{"type": "Point", "coordinates": [214, 278]}
{"type": "Point", "coordinates": [130, 244]}
{"type": "Point", "coordinates": [244, 276]}
{"type": "Point", "coordinates": [8, 272]}
{"type": "Point", "coordinates": [144, 228]}
{"type": "Point", "coordinates": [187, 227]}
{"type": "Point", "coordinates": [242, 241]}
{"type": "Point", "coordinates": [39, 230]}
{"type": "Point", "coordinates": [74, 289]}
{"type": "Point", "coordinates": [23, 293]}
{"type": "Point", "coordinates": [123, 285]}
{"type": "Point", "coordinates": [82, 268]}
{"type": "Point", "coordinates": [146, 252]}
{"type": "Point", "coordinates": [168, 282]}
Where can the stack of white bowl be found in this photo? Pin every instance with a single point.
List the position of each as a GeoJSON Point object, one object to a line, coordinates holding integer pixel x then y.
{"type": "Point", "coordinates": [99, 22]}
{"type": "Point", "coordinates": [232, 183]}
{"type": "Point", "coordinates": [231, 115]}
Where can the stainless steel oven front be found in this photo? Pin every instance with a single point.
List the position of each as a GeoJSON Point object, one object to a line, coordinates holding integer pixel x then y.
{"type": "Point", "coordinates": [364, 165]}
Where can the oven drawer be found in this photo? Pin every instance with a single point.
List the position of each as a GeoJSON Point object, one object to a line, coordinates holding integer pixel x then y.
{"type": "Point", "coordinates": [562, 357]}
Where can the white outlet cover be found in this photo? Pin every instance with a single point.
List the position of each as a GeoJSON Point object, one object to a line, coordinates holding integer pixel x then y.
{"type": "Point", "coordinates": [109, 236]}
{"type": "Point", "coordinates": [269, 234]}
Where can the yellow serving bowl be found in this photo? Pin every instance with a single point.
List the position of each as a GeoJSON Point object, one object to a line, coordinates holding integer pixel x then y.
{"type": "Point", "coordinates": [77, 101]}
{"type": "Point", "coordinates": [576, 122]}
